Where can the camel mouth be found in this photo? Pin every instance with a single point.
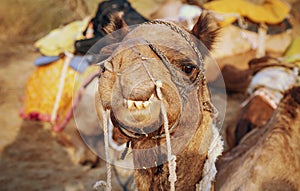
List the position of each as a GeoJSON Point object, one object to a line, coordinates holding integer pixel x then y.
{"type": "Point", "coordinates": [140, 117]}
{"type": "Point", "coordinates": [133, 105]}
{"type": "Point", "coordinates": [137, 132]}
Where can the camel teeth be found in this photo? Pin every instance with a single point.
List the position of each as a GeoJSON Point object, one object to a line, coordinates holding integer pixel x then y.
{"type": "Point", "coordinates": [146, 104]}
{"type": "Point", "coordinates": [130, 104]}
{"type": "Point", "coordinates": [138, 104]}
{"type": "Point", "coordinates": [151, 98]}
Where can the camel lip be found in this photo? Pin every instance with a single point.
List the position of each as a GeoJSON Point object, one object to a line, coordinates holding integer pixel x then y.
{"type": "Point", "coordinates": [138, 133]}
{"type": "Point", "coordinates": [138, 116]}
{"type": "Point", "coordinates": [152, 128]}
{"type": "Point", "coordinates": [135, 133]}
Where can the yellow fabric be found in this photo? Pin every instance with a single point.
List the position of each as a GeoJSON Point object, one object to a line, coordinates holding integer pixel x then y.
{"type": "Point", "coordinates": [41, 91]}
{"type": "Point", "coordinates": [292, 54]}
{"type": "Point", "coordinates": [271, 11]}
{"type": "Point", "coordinates": [294, 48]}
{"type": "Point", "coordinates": [62, 39]}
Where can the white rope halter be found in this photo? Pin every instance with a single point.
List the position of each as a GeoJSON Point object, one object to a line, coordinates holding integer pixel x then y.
{"type": "Point", "coordinates": [101, 183]}
{"type": "Point", "coordinates": [171, 158]}
{"type": "Point", "coordinates": [209, 170]}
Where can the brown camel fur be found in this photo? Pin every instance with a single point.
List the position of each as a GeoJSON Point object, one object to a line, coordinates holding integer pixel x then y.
{"type": "Point", "coordinates": [267, 158]}
{"type": "Point", "coordinates": [126, 85]}
{"type": "Point", "coordinates": [255, 114]}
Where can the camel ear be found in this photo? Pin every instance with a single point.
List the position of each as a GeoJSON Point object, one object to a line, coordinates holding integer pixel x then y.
{"type": "Point", "coordinates": [206, 30]}
{"type": "Point", "coordinates": [115, 23]}
{"type": "Point", "coordinates": [109, 44]}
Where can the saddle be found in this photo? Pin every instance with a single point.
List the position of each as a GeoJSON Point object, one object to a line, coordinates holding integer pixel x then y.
{"type": "Point", "coordinates": [257, 64]}
{"type": "Point", "coordinates": [272, 29]}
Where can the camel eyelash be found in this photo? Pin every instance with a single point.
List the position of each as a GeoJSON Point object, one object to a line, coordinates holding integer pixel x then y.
{"type": "Point", "coordinates": [188, 69]}
{"type": "Point", "coordinates": [187, 66]}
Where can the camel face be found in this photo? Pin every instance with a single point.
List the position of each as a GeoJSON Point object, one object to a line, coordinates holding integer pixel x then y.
{"type": "Point", "coordinates": [154, 81]}
{"type": "Point", "coordinates": [128, 83]}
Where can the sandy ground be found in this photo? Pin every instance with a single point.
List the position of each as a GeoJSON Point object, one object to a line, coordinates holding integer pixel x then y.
{"type": "Point", "coordinates": [31, 159]}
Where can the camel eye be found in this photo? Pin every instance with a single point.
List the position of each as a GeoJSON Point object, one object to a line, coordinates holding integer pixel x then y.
{"type": "Point", "coordinates": [188, 69]}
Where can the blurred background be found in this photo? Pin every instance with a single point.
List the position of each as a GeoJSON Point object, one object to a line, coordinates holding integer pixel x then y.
{"type": "Point", "coordinates": [32, 155]}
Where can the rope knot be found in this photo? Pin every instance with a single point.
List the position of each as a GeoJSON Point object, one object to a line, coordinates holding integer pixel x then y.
{"type": "Point", "coordinates": [172, 169]}
{"type": "Point", "coordinates": [171, 158]}
{"type": "Point", "coordinates": [100, 185]}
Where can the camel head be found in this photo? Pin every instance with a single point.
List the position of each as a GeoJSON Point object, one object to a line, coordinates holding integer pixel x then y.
{"type": "Point", "coordinates": [154, 63]}
{"type": "Point", "coordinates": [150, 54]}
{"type": "Point", "coordinates": [153, 82]}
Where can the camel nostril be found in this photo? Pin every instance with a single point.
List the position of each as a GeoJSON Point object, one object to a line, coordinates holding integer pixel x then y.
{"type": "Point", "coordinates": [138, 91]}
{"type": "Point", "coordinates": [141, 94]}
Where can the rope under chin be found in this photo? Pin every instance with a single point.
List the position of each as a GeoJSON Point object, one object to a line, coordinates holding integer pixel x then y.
{"type": "Point", "coordinates": [102, 183]}
{"type": "Point", "coordinates": [171, 158]}
{"type": "Point", "coordinates": [209, 170]}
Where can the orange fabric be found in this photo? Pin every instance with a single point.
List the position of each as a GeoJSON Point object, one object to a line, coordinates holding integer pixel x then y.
{"type": "Point", "coordinates": [41, 90]}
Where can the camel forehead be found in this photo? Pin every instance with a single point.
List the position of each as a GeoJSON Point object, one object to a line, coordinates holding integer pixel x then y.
{"type": "Point", "coordinates": [135, 44]}
{"type": "Point", "coordinates": [160, 35]}
{"type": "Point", "coordinates": [153, 32]}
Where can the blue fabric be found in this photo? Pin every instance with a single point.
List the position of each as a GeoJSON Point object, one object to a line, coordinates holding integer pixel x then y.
{"type": "Point", "coordinates": [80, 63]}
{"type": "Point", "coordinates": [43, 60]}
